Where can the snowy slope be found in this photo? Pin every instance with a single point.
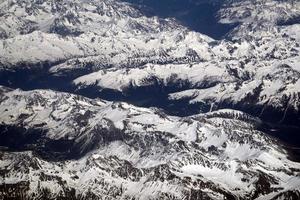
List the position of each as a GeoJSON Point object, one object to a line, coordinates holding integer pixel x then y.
{"type": "Point", "coordinates": [127, 152]}
{"type": "Point", "coordinates": [75, 29]}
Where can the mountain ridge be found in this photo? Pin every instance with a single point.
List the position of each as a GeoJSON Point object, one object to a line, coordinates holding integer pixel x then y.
{"type": "Point", "coordinates": [166, 148]}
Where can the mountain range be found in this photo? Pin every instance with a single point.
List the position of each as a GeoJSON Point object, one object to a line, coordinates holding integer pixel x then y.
{"type": "Point", "coordinates": [109, 99]}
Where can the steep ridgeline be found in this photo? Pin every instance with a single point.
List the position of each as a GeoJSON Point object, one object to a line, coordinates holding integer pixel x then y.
{"type": "Point", "coordinates": [108, 49]}
{"type": "Point", "coordinates": [60, 145]}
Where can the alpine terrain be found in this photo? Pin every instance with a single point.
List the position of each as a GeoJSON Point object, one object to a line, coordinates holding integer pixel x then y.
{"type": "Point", "coordinates": [115, 99]}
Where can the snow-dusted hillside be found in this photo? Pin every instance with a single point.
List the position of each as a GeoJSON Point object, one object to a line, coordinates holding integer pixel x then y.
{"type": "Point", "coordinates": [130, 152]}
{"type": "Point", "coordinates": [259, 17]}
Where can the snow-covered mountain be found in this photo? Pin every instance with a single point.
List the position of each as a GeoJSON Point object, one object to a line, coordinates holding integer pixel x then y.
{"type": "Point", "coordinates": [106, 30]}
{"type": "Point", "coordinates": [83, 148]}
{"type": "Point", "coordinates": [64, 145]}
{"type": "Point", "coordinates": [110, 45]}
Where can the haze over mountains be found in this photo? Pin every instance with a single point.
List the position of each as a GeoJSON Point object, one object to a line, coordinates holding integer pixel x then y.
{"type": "Point", "coordinates": [108, 99]}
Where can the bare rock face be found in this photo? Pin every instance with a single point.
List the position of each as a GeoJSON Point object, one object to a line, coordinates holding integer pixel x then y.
{"type": "Point", "coordinates": [118, 105]}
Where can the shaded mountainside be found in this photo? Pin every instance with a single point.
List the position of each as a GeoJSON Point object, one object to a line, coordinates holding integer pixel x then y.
{"type": "Point", "coordinates": [197, 15]}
